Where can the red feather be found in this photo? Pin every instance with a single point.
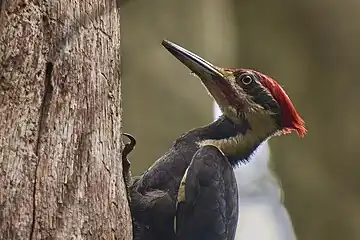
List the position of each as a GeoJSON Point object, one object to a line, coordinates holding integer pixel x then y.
{"type": "Point", "coordinates": [291, 120]}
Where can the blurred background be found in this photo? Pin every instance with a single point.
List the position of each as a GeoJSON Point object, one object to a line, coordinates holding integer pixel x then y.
{"type": "Point", "coordinates": [311, 47]}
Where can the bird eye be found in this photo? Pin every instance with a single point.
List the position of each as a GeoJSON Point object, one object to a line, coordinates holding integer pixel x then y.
{"type": "Point", "coordinates": [246, 80]}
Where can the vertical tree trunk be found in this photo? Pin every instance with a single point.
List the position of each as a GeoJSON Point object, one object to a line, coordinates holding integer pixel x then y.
{"type": "Point", "coordinates": [60, 121]}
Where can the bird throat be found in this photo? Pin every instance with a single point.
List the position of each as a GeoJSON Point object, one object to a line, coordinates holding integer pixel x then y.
{"type": "Point", "coordinates": [237, 141]}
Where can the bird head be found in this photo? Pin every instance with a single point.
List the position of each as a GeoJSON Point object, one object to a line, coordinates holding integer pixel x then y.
{"type": "Point", "coordinates": [244, 94]}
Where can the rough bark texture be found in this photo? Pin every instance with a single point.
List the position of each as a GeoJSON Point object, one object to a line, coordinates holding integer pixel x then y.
{"type": "Point", "coordinates": [60, 121]}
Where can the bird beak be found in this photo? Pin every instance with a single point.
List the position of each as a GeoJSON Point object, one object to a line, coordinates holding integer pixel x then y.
{"type": "Point", "coordinates": [214, 78]}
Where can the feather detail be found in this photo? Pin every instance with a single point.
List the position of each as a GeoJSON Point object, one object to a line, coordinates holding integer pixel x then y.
{"type": "Point", "coordinates": [291, 120]}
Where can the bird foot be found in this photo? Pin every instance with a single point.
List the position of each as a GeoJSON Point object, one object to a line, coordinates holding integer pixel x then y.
{"type": "Point", "coordinates": [126, 163]}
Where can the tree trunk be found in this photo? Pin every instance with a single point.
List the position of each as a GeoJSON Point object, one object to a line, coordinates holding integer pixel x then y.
{"type": "Point", "coordinates": [60, 121]}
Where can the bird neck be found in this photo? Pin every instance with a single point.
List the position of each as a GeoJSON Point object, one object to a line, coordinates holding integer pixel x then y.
{"type": "Point", "coordinates": [237, 141]}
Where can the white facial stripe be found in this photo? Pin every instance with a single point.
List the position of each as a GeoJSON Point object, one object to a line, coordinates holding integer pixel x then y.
{"type": "Point", "coordinates": [261, 127]}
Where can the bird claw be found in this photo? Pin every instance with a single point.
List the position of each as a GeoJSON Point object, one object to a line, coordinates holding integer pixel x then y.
{"type": "Point", "coordinates": [128, 149]}
{"type": "Point", "coordinates": [126, 163]}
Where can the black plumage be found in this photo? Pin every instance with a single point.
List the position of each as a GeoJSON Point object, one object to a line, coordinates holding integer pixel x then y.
{"type": "Point", "coordinates": [208, 208]}
{"type": "Point", "coordinates": [154, 194]}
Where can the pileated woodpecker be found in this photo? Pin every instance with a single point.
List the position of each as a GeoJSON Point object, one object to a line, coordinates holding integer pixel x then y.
{"type": "Point", "coordinates": [262, 214]}
{"type": "Point", "coordinates": [190, 192]}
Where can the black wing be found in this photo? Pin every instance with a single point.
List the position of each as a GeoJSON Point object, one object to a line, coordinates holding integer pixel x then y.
{"type": "Point", "coordinates": [207, 206]}
{"type": "Point", "coordinates": [152, 214]}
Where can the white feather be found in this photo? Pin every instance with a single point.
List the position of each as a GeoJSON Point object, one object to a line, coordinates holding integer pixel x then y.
{"type": "Point", "coordinates": [262, 215]}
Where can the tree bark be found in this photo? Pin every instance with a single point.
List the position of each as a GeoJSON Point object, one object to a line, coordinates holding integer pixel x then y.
{"type": "Point", "coordinates": [60, 121]}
